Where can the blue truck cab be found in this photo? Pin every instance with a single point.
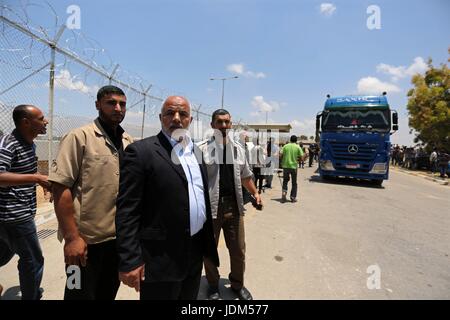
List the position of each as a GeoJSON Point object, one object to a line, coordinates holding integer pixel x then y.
{"type": "Point", "coordinates": [354, 133]}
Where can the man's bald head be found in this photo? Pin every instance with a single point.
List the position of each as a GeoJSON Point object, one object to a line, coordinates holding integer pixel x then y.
{"type": "Point", "coordinates": [23, 111]}
{"type": "Point", "coordinates": [175, 114]}
{"type": "Point", "coordinates": [29, 121]}
{"type": "Point", "coordinates": [176, 101]}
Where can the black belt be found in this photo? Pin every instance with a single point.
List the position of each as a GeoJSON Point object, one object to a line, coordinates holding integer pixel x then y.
{"type": "Point", "coordinates": [228, 206]}
{"type": "Point", "coordinates": [224, 199]}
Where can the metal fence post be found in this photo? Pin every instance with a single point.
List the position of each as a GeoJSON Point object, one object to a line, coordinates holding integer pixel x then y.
{"type": "Point", "coordinates": [143, 110]}
{"type": "Point", "coordinates": [52, 96]}
{"type": "Point", "coordinates": [50, 108]}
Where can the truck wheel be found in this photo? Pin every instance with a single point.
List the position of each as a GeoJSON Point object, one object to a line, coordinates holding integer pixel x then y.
{"type": "Point", "coordinates": [377, 182]}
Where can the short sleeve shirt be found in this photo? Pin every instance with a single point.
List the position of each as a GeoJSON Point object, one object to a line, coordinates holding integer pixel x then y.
{"type": "Point", "coordinates": [88, 164]}
{"type": "Point", "coordinates": [291, 152]}
{"type": "Point", "coordinates": [17, 203]}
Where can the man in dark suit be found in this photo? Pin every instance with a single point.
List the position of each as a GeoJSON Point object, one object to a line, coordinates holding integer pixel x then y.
{"type": "Point", "coordinates": [163, 221]}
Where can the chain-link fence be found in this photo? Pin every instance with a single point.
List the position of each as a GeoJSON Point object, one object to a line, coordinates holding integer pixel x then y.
{"type": "Point", "coordinates": [60, 71]}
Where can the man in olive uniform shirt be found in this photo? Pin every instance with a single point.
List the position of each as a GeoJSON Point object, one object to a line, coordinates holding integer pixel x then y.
{"type": "Point", "coordinates": [85, 180]}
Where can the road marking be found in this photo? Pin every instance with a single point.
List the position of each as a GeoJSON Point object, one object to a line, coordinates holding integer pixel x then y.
{"type": "Point", "coordinates": [44, 219]}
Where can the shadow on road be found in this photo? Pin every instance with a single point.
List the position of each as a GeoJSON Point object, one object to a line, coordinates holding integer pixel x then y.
{"type": "Point", "coordinates": [281, 201]}
{"type": "Point", "coordinates": [361, 183]}
{"type": "Point", "coordinates": [12, 293]}
{"type": "Point", "coordinates": [277, 200]}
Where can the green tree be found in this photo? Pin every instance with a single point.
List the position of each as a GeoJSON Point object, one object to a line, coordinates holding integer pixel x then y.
{"type": "Point", "coordinates": [429, 107]}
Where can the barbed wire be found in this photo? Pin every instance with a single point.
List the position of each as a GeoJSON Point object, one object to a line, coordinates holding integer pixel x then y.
{"type": "Point", "coordinates": [38, 62]}
{"type": "Point", "coordinates": [30, 55]}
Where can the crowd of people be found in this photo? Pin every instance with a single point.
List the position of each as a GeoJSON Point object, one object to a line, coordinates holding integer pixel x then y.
{"type": "Point", "coordinates": [266, 160]}
{"type": "Point", "coordinates": [147, 213]}
{"type": "Point", "coordinates": [438, 161]}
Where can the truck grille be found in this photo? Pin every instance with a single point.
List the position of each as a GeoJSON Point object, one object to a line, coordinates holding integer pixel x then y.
{"type": "Point", "coordinates": [366, 152]}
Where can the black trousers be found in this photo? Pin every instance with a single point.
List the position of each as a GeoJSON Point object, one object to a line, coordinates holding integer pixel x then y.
{"type": "Point", "coordinates": [186, 289]}
{"type": "Point", "coordinates": [287, 172]}
{"type": "Point", "coordinates": [100, 277]}
{"type": "Point", "coordinates": [258, 178]}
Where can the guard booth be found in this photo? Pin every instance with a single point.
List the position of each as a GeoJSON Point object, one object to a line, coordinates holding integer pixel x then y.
{"type": "Point", "coordinates": [281, 128]}
{"type": "Point", "coordinates": [259, 129]}
{"type": "Point", "coordinates": [269, 128]}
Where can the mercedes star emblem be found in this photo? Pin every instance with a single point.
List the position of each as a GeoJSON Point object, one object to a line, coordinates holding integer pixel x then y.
{"type": "Point", "coordinates": [353, 148]}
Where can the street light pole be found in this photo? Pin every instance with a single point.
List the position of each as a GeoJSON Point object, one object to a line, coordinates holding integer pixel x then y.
{"type": "Point", "coordinates": [223, 85]}
{"type": "Point", "coordinates": [223, 90]}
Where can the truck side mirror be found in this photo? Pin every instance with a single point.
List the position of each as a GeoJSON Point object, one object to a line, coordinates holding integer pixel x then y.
{"type": "Point", "coordinates": [395, 119]}
{"type": "Point", "coordinates": [318, 122]}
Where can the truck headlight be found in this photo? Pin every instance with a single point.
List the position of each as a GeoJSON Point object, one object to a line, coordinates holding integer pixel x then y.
{"type": "Point", "coordinates": [379, 168]}
{"type": "Point", "coordinates": [326, 165]}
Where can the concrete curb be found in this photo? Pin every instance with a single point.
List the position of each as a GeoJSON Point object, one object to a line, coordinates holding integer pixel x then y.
{"type": "Point", "coordinates": [440, 181]}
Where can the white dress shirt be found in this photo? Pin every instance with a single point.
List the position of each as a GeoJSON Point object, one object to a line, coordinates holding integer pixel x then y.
{"type": "Point", "coordinates": [197, 209]}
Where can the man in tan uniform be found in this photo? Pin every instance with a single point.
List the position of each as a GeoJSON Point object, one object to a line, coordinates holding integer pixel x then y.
{"type": "Point", "coordinates": [85, 179]}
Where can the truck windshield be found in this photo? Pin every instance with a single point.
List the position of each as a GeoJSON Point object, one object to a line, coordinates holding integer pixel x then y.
{"type": "Point", "coordinates": [356, 120]}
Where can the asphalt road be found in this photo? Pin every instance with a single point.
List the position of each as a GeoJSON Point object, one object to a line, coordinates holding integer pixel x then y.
{"type": "Point", "coordinates": [323, 246]}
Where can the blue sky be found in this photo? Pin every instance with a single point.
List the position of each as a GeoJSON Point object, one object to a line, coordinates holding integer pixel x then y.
{"type": "Point", "coordinates": [288, 54]}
